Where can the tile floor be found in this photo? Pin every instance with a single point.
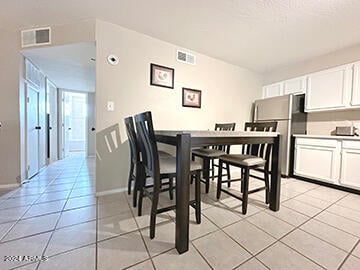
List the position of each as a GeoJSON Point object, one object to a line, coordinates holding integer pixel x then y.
{"type": "Point", "coordinates": [57, 215]}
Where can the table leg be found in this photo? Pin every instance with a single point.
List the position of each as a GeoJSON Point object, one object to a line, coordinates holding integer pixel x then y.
{"type": "Point", "coordinates": [182, 192]}
{"type": "Point", "coordinates": [275, 175]}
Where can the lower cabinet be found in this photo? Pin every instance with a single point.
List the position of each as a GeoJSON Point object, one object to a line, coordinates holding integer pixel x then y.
{"type": "Point", "coordinates": [335, 161]}
{"type": "Point", "coordinates": [350, 163]}
{"type": "Point", "coordinates": [318, 159]}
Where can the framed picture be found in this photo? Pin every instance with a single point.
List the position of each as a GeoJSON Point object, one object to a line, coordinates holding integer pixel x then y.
{"type": "Point", "coordinates": [162, 76]}
{"type": "Point", "coordinates": [191, 98]}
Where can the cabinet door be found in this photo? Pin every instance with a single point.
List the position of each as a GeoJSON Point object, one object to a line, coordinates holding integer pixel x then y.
{"type": "Point", "coordinates": [318, 162]}
{"type": "Point", "coordinates": [295, 86]}
{"type": "Point", "coordinates": [329, 89]}
{"type": "Point", "coordinates": [355, 97]}
{"type": "Point", "coordinates": [350, 160]}
{"type": "Point", "coordinates": [273, 90]}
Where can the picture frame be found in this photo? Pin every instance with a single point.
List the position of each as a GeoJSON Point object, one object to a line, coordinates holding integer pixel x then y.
{"type": "Point", "coordinates": [162, 76]}
{"type": "Point", "coordinates": [191, 98]}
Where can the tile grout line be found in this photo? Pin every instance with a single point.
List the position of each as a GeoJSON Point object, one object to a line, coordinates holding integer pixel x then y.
{"type": "Point", "coordinates": [141, 235]}
{"type": "Point", "coordinates": [349, 254]}
{"type": "Point", "coordinates": [57, 222]}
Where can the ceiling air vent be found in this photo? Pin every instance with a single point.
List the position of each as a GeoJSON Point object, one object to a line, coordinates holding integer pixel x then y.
{"type": "Point", "coordinates": [35, 37]}
{"type": "Point", "coordinates": [185, 57]}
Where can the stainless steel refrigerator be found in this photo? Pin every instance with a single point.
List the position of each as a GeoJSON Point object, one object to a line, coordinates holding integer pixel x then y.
{"type": "Point", "coordinates": [288, 111]}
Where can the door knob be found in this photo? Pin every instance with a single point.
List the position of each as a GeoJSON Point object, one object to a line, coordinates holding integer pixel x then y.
{"type": "Point", "coordinates": [38, 127]}
{"type": "Point", "coordinates": [93, 129]}
{"type": "Point", "coordinates": [69, 128]}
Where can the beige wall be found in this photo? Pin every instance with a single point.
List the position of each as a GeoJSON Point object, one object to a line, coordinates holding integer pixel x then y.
{"type": "Point", "coordinates": [227, 93]}
{"type": "Point", "coordinates": [12, 103]}
{"type": "Point", "coordinates": [9, 108]}
{"type": "Point", "coordinates": [325, 122]}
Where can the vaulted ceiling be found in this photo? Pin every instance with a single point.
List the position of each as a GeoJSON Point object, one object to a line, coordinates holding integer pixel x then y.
{"type": "Point", "coordinates": [257, 34]}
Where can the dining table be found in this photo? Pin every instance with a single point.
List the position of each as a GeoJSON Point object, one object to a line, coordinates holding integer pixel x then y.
{"type": "Point", "coordinates": [185, 140]}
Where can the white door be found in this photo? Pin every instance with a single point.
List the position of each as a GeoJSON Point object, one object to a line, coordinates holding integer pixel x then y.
{"type": "Point", "coordinates": [273, 90]}
{"type": "Point", "coordinates": [295, 86]}
{"type": "Point", "coordinates": [355, 98]}
{"type": "Point", "coordinates": [318, 159]}
{"type": "Point", "coordinates": [33, 127]}
{"type": "Point", "coordinates": [65, 126]}
{"type": "Point", "coordinates": [53, 122]}
{"type": "Point", "coordinates": [329, 89]}
{"type": "Point", "coordinates": [350, 160]}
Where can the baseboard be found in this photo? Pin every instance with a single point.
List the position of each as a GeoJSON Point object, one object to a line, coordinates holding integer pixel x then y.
{"type": "Point", "coordinates": [9, 186]}
{"type": "Point", "coordinates": [109, 192]}
{"type": "Point", "coordinates": [326, 184]}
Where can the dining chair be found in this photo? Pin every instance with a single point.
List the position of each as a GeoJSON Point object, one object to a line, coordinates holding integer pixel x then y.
{"type": "Point", "coordinates": [252, 157]}
{"type": "Point", "coordinates": [209, 155]}
{"type": "Point", "coordinates": [158, 169]}
{"type": "Point", "coordinates": [136, 166]}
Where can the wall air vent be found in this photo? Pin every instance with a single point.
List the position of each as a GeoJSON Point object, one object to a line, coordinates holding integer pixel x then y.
{"type": "Point", "coordinates": [35, 37]}
{"type": "Point", "coordinates": [185, 57]}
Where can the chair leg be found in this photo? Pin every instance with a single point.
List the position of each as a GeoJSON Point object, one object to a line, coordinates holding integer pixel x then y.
{"type": "Point", "coordinates": [155, 200]}
{"type": "Point", "coordinates": [198, 198]}
{"type": "Point", "coordinates": [228, 174]}
{"type": "Point", "coordinates": [218, 190]}
{"type": "Point", "coordinates": [131, 176]}
{"type": "Point", "coordinates": [245, 193]}
{"type": "Point", "coordinates": [141, 186]}
{"type": "Point", "coordinates": [267, 186]}
{"type": "Point", "coordinates": [171, 188]}
{"type": "Point", "coordinates": [212, 170]}
{"type": "Point", "coordinates": [206, 172]}
{"type": "Point", "coordinates": [137, 183]}
{"type": "Point", "coordinates": [242, 180]}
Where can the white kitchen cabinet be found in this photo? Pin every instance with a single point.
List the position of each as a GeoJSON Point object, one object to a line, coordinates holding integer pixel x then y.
{"type": "Point", "coordinates": [318, 159]}
{"type": "Point", "coordinates": [355, 97]}
{"type": "Point", "coordinates": [273, 90]}
{"type": "Point", "coordinates": [350, 162]}
{"type": "Point", "coordinates": [329, 89]}
{"type": "Point", "coordinates": [295, 86]}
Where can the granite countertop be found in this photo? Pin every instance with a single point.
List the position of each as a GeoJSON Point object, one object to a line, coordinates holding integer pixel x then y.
{"type": "Point", "coordinates": [312, 136]}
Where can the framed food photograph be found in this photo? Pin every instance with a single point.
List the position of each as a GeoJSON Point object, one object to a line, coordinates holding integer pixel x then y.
{"type": "Point", "coordinates": [162, 76]}
{"type": "Point", "coordinates": [191, 98]}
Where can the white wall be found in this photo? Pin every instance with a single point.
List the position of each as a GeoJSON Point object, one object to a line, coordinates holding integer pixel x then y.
{"type": "Point", "coordinates": [9, 109]}
{"type": "Point", "coordinates": [227, 93]}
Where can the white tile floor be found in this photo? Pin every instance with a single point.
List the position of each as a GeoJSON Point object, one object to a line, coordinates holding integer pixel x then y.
{"type": "Point", "coordinates": [56, 215]}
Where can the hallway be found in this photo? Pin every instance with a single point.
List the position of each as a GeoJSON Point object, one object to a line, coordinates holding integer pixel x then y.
{"type": "Point", "coordinates": [60, 196]}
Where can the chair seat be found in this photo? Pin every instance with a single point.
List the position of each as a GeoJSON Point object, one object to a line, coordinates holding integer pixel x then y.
{"type": "Point", "coordinates": [244, 160]}
{"type": "Point", "coordinates": [210, 153]}
{"type": "Point", "coordinates": [163, 154]}
{"type": "Point", "coordinates": [168, 165]}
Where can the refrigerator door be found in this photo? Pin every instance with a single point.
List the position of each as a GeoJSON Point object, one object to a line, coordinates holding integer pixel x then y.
{"type": "Point", "coordinates": [284, 128]}
{"type": "Point", "coordinates": [276, 108]}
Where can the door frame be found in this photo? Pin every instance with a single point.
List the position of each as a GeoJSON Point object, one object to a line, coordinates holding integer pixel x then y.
{"type": "Point", "coordinates": [27, 85]}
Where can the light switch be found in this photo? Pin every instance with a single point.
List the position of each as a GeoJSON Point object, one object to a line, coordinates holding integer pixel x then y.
{"type": "Point", "coordinates": [110, 106]}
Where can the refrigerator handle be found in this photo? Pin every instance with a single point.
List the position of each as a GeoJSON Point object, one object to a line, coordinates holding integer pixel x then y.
{"type": "Point", "coordinates": [255, 113]}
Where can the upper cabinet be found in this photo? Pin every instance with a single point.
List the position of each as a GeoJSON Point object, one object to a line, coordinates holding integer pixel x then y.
{"type": "Point", "coordinates": [355, 97]}
{"type": "Point", "coordinates": [273, 90]}
{"type": "Point", "coordinates": [332, 89]}
{"type": "Point", "coordinates": [295, 86]}
{"type": "Point", "coordinates": [329, 89]}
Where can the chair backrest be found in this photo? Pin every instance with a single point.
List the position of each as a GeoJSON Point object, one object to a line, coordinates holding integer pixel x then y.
{"type": "Point", "coordinates": [148, 146]}
{"type": "Point", "coordinates": [224, 127]}
{"type": "Point", "coordinates": [134, 146]}
{"type": "Point", "coordinates": [260, 150]}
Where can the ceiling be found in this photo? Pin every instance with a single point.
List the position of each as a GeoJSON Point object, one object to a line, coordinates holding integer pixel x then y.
{"type": "Point", "coordinates": [258, 34]}
{"type": "Point", "coordinates": [68, 66]}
